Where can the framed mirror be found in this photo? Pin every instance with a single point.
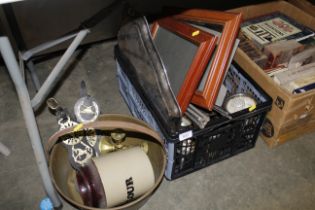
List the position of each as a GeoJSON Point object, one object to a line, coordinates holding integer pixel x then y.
{"type": "Point", "coordinates": [185, 51]}
{"type": "Point", "coordinates": [227, 24]}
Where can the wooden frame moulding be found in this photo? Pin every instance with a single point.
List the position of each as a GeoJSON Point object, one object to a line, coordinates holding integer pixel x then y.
{"type": "Point", "coordinates": [231, 23]}
{"type": "Point", "coordinates": [206, 45]}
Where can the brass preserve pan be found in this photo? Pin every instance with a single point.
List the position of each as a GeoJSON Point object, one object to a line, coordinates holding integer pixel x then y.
{"type": "Point", "coordinates": [137, 132]}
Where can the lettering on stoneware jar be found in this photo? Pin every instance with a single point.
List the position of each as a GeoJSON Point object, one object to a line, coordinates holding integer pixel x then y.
{"type": "Point", "coordinates": [130, 188]}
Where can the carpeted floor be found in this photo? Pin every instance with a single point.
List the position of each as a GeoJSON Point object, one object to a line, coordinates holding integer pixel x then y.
{"type": "Point", "coordinates": [261, 178]}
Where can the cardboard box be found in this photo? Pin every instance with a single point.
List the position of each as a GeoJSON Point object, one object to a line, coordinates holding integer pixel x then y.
{"type": "Point", "coordinates": [304, 5]}
{"type": "Point", "coordinates": [291, 115]}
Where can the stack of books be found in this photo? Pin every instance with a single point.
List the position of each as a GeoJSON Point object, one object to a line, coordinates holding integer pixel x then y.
{"type": "Point", "coordinates": [283, 48]}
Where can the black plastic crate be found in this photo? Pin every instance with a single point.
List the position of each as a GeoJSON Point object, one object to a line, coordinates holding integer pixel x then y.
{"type": "Point", "coordinates": [195, 148]}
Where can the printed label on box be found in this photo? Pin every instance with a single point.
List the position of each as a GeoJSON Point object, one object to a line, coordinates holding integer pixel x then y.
{"type": "Point", "coordinates": [279, 102]}
{"type": "Point", "coordinates": [186, 135]}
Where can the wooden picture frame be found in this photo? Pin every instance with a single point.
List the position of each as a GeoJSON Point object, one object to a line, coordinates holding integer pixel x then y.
{"type": "Point", "coordinates": [231, 23]}
{"type": "Point", "coordinates": [182, 34]}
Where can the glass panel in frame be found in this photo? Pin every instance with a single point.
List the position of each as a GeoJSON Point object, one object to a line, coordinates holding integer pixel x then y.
{"type": "Point", "coordinates": [185, 51]}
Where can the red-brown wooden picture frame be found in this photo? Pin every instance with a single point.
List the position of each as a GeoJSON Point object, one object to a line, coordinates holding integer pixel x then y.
{"type": "Point", "coordinates": [206, 44]}
{"type": "Point", "coordinates": [231, 23]}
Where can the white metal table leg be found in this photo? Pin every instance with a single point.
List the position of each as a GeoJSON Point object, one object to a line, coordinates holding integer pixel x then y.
{"type": "Point", "coordinates": [28, 106]}
{"type": "Point", "coordinates": [29, 117]}
{"type": "Point", "coordinates": [4, 150]}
